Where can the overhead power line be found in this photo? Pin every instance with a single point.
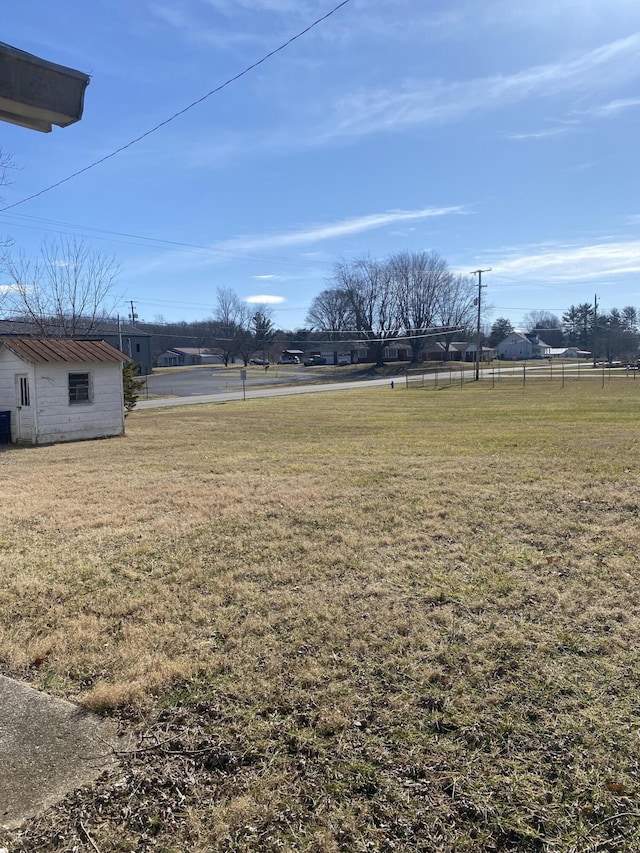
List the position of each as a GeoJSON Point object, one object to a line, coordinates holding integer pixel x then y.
{"type": "Point", "coordinates": [184, 110]}
{"type": "Point", "coordinates": [152, 242]}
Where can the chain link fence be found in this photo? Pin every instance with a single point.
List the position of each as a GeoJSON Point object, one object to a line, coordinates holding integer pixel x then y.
{"type": "Point", "coordinates": [458, 374]}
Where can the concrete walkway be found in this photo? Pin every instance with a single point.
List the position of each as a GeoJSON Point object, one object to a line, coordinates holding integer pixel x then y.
{"type": "Point", "coordinates": [48, 748]}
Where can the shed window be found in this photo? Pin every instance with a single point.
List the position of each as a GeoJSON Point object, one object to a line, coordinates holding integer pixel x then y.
{"type": "Point", "coordinates": [24, 391]}
{"type": "Point", "coordinates": [79, 388]}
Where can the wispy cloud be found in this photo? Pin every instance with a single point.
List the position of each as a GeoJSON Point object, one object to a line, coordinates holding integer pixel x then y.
{"type": "Point", "coordinates": [565, 262]}
{"type": "Point", "coordinates": [265, 277]}
{"type": "Point", "coordinates": [579, 118]}
{"type": "Point", "coordinates": [544, 134]}
{"type": "Point", "coordinates": [443, 101]}
{"type": "Point", "coordinates": [610, 110]}
{"type": "Point", "coordinates": [335, 230]}
{"type": "Point", "coordinates": [228, 24]}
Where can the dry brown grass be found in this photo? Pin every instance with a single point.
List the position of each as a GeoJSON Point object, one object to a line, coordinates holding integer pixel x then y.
{"type": "Point", "coordinates": [371, 621]}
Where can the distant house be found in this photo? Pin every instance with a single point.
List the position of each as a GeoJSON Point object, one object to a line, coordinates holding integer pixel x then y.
{"type": "Point", "coordinates": [567, 352]}
{"type": "Point", "coordinates": [187, 356]}
{"type": "Point", "coordinates": [391, 353]}
{"type": "Point", "coordinates": [487, 354]}
{"type": "Point", "coordinates": [438, 351]}
{"type": "Point", "coordinates": [59, 389]}
{"type": "Point", "coordinates": [522, 345]}
{"type": "Point", "coordinates": [129, 339]}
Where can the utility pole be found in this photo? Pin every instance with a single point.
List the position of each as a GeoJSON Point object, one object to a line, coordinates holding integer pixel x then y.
{"type": "Point", "coordinates": [479, 303]}
{"type": "Point", "coordinates": [133, 316]}
{"type": "Point", "coordinates": [595, 327]}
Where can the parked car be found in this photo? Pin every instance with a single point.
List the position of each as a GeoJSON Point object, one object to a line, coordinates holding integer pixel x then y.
{"type": "Point", "coordinates": [263, 361]}
{"type": "Point", "coordinates": [315, 359]}
{"type": "Point", "coordinates": [289, 359]}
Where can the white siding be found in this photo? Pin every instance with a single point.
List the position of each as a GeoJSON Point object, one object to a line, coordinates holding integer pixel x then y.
{"type": "Point", "coordinates": [515, 345]}
{"type": "Point", "coordinates": [10, 367]}
{"type": "Point", "coordinates": [51, 418]}
{"type": "Point", "coordinates": [58, 420]}
{"type": "Point", "coordinates": [7, 381]}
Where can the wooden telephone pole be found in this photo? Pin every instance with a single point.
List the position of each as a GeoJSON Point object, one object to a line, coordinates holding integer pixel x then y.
{"type": "Point", "coordinates": [479, 302]}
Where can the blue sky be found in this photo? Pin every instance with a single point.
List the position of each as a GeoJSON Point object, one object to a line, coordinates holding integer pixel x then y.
{"type": "Point", "coordinates": [501, 134]}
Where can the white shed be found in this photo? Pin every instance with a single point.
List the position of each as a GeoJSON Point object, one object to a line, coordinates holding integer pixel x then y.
{"type": "Point", "coordinates": [57, 389]}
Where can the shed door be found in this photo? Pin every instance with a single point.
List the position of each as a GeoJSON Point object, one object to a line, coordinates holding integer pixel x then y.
{"type": "Point", "coordinates": [24, 412]}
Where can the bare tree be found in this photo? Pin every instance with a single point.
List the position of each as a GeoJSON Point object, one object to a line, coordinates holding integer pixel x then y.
{"type": "Point", "coordinates": [65, 290]}
{"type": "Point", "coordinates": [369, 288]}
{"type": "Point", "coordinates": [331, 312]}
{"type": "Point", "coordinates": [455, 310]}
{"type": "Point", "coordinates": [232, 318]}
{"type": "Point", "coordinates": [420, 278]}
{"type": "Point", "coordinates": [546, 325]}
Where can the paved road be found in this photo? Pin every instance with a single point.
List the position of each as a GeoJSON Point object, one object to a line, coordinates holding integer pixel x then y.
{"type": "Point", "coordinates": [205, 380]}
{"type": "Point", "coordinates": [234, 392]}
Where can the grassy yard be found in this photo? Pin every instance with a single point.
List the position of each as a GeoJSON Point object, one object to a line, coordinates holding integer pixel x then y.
{"type": "Point", "coordinates": [371, 621]}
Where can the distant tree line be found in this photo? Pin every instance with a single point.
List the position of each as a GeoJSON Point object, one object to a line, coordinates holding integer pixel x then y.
{"type": "Point", "coordinates": [610, 335]}
{"type": "Point", "coordinates": [236, 331]}
{"type": "Point", "coordinates": [411, 300]}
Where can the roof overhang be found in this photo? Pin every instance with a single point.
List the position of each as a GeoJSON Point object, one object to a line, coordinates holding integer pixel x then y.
{"type": "Point", "coordinates": [37, 94]}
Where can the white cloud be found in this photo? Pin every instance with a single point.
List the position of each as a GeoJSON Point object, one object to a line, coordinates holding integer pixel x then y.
{"type": "Point", "coordinates": [335, 230]}
{"type": "Point", "coordinates": [445, 101]}
{"type": "Point", "coordinates": [612, 109]}
{"type": "Point", "coordinates": [570, 262]}
{"type": "Point", "coordinates": [579, 118]}
{"type": "Point", "coordinates": [265, 277]}
{"type": "Point", "coordinates": [264, 299]}
{"type": "Point", "coordinates": [543, 134]}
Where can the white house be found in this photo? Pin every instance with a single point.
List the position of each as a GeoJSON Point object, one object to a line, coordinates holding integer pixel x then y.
{"type": "Point", "coordinates": [58, 389]}
{"type": "Point", "coordinates": [519, 345]}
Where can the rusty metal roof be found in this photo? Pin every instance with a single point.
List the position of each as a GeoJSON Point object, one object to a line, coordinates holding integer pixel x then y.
{"type": "Point", "coordinates": [65, 350]}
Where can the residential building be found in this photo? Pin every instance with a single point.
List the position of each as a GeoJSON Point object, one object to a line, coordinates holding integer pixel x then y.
{"type": "Point", "coordinates": [522, 345]}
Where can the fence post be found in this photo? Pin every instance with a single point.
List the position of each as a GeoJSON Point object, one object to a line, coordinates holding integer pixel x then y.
{"type": "Point", "coordinates": [563, 375]}
{"type": "Point", "coordinates": [524, 375]}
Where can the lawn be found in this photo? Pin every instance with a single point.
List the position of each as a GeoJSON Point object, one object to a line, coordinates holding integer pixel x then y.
{"type": "Point", "coordinates": [386, 620]}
